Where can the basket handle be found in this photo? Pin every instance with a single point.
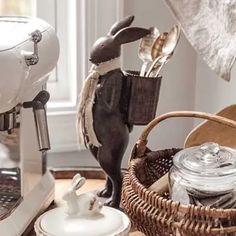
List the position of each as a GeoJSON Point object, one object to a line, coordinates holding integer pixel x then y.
{"type": "Point", "coordinates": [142, 142]}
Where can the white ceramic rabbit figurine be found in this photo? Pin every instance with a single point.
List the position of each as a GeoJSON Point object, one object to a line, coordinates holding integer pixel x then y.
{"type": "Point", "coordinates": [83, 204]}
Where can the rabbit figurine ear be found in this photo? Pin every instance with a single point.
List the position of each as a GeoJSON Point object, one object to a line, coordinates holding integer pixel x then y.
{"type": "Point", "coordinates": [77, 182]}
{"type": "Point", "coordinates": [130, 34]}
{"type": "Point", "coordinates": [121, 24]}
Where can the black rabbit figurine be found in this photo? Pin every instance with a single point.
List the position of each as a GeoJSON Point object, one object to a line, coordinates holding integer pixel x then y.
{"type": "Point", "coordinates": [101, 120]}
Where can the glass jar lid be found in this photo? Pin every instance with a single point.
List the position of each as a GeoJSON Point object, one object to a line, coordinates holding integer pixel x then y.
{"type": "Point", "coordinates": [207, 160]}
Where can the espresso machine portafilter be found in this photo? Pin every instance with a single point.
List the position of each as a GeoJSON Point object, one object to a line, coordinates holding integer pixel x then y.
{"type": "Point", "coordinates": [29, 51]}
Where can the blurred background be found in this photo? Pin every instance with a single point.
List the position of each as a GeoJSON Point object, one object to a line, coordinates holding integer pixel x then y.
{"type": "Point", "coordinates": [14, 7]}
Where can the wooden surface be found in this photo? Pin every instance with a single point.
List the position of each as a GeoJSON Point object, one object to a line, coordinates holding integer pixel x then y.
{"type": "Point", "coordinates": [210, 131]}
{"type": "Point", "coordinates": [90, 185]}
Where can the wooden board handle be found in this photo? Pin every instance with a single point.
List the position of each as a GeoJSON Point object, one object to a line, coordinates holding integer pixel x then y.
{"type": "Point", "coordinates": [160, 186]}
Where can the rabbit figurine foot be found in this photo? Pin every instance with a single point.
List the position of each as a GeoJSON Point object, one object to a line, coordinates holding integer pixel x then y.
{"type": "Point", "coordinates": [112, 203]}
{"type": "Point", "coordinates": [107, 191]}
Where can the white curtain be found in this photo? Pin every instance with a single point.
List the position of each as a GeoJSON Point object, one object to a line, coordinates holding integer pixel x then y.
{"type": "Point", "coordinates": [210, 26]}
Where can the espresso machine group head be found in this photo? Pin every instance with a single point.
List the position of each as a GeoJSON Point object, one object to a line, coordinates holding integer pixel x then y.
{"type": "Point", "coordinates": [29, 50]}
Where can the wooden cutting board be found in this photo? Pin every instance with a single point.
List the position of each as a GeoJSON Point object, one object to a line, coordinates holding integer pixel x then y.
{"type": "Point", "coordinates": [209, 131]}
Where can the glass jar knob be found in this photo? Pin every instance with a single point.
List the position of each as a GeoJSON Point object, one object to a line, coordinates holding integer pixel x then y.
{"type": "Point", "coordinates": [210, 151]}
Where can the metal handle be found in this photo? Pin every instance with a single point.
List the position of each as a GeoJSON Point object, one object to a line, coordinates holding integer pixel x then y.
{"type": "Point", "coordinates": [32, 58]}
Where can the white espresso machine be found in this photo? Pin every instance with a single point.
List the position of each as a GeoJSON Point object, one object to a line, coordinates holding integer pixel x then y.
{"type": "Point", "coordinates": [29, 50]}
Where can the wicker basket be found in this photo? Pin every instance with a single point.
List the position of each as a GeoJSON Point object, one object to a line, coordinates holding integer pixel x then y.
{"type": "Point", "coordinates": [153, 214]}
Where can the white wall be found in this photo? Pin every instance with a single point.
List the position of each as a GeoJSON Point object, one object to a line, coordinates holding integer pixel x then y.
{"type": "Point", "coordinates": [212, 92]}
{"type": "Point", "coordinates": [177, 89]}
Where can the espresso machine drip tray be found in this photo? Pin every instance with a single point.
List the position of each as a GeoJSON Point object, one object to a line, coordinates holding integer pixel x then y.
{"type": "Point", "coordinates": [10, 191]}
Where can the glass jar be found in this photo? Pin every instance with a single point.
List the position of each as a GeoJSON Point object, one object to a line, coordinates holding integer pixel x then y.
{"type": "Point", "coordinates": [204, 176]}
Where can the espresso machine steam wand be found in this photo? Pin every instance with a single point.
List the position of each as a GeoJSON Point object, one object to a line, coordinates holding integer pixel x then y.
{"type": "Point", "coordinates": [38, 106]}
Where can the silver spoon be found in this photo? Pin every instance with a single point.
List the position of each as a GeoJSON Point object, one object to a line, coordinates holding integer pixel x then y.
{"type": "Point", "coordinates": [167, 51]}
{"type": "Point", "coordinates": [145, 47]}
{"type": "Point", "coordinates": [156, 50]}
{"type": "Point", "coordinates": [157, 65]}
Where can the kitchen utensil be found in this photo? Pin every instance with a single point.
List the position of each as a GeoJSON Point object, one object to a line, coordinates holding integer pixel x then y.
{"type": "Point", "coordinates": [84, 214]}
{"type": "Point", "coordinates": [167, 50]}
{"type": "Point", "coordinates": [157, 64]}
{"type": "Point", "coordinates": [209, 131]}
{"type": "Point", "coordinates": [156, 49]}
{"type": "Point", "coordinates": [145, 46]}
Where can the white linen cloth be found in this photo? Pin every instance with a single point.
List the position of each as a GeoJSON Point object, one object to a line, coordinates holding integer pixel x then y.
{"type": "Point", "coordinates": [86, 100]}
{"type": "Point", "coordinates": [210, 26]}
